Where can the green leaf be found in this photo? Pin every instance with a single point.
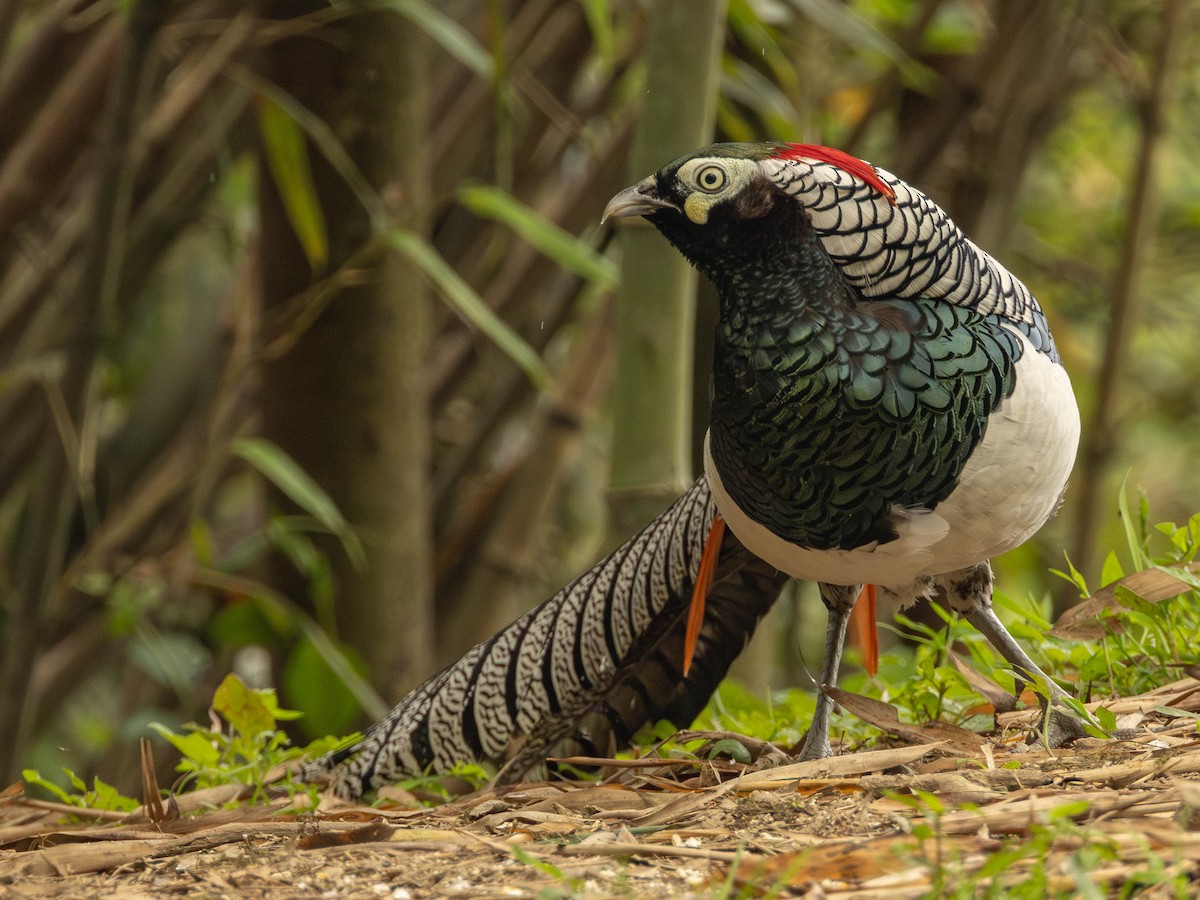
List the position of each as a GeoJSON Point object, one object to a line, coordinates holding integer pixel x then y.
{"type": "Point", "coordinates": [1134, 538]}
{"type": "Point", "coordinates": [287, 158]}
{"type": "Point", "coordinates": [346, 670]}
{"type": "Point", "coordinates": [748, 24]}
{"type": "Point", "coordinates": [599, 19]}
{"type": "Point", "coordinates": [450, 35]}
{"type": "Point", "coordinates": [544, 236]}
{"type": "Point", "coordinates": [106, 796]}
{"type": "Point", "coordinates": [331, 148]}
{"type": "Point", "coordinates": [543, 866]}
{"type": "Point", "coordinates": [843, 21]}
{"type": "Point", "coordinates": [733, 749]}
{"type": "Point", "coordinates": [285, 534]}
{"type": "Point", "coordinates": [1187, 576]}
{"type": "Point", "coordinates": [1069, 810]}
{"type": "Point", "coordinates": [286, 474]}
{"type": "Point", "coordinates": [242, 707]}
{"type": "Point", "coordinates": [1112, 570]}
{"type": "Point", "coordinates": [1074, 576]}
{"type": "Point", "coordinates": [329, 706]}
{"type": "Point", "coordinates": [171, 658]}
{"type": "Point", "coordinates": [195, 747]}
{"type": "Point", "coordinates": [244, 624]}
{"type": "Point", "coordinates": [34, 777]}
{"type": "Point", "coordinates": [279, 609]}
{"type": "Point", "coordinates": [742, 83]}
{"type": "Point", "coordinates": [1000, 861]}
{"type": "Point", "coordinates": [469, 304]}
{"type": "Point", "coordinates": [278, 713]}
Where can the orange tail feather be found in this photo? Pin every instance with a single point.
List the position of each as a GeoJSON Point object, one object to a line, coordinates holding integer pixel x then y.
{"type": "Point", "coordinates": [862, 622]}
{"type": "Point", "coordinates": [708, 565]}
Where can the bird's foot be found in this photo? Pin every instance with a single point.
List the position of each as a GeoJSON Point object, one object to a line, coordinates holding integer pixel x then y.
{"type": "Point", "coordinates": [816, 742]}
{"type": "Point", "coordinates": [815, 746]}
{"type": "Point", "coordinates": [1059, 727]}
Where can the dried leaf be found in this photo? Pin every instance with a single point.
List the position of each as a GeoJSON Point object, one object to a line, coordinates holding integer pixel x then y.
{"type": "Point", "coordinates": [848, 862]}
{"type": "Point", "coordinates": [151, 794]}
{"type": "Point", "coordinates": [834, 767]}
{"type": "Point", "coordinates": [367, 834]}
{"type": "Point", "coordinates": [1083, 622]}
{"type": "Point", "coordinates": [1001, 700]}
{"type": "Point", "coordinates": [884, 717]}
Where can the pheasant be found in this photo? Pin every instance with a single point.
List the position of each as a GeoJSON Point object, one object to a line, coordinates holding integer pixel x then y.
{"type": "Point", "coordinates": [889, 406]}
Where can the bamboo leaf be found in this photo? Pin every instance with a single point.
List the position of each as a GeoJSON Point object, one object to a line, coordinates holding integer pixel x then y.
{"type": "Point", "coordinates": [469, 304]}
{"type": "Point", "coordinates": [844, 22]}
{"type": "Point", "coordinates": [341, 666]}
{"type": "Point", "coordinates": [286, 474]}
{"type": "Point", "coordinates": [330, 706]}
{"type": "Point", "coordinates": [327, 143]}
{"type": "Point", "coordinates": [287, 157]}
{"type": "Point", "coordinates": [541, 234]}
{"type": "Point", "coordinates": [751, 26]}
{"type": "Point", "coordinates": [276, 608]}
{"type": "Point", "coordinates": [599, 19]}
{"type": "Point", "coordinates": [746, 85]}
{"type": "Point", "coordinates": [450, 35]}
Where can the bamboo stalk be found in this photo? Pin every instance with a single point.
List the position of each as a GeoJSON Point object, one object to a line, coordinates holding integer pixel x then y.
{"type": "Point", "coordinates": [651, 404]}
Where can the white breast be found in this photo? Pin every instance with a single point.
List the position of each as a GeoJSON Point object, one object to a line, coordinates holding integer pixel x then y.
{"type": "Point", "coordinates": [1009, 487]}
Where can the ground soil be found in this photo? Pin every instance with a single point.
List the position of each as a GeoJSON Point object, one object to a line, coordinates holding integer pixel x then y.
{"type": "Point", "coordinates": [940, 812]}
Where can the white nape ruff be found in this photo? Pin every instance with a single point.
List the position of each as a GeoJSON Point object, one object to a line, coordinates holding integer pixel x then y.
{"type": "Point", "coordinates": [1010, 486]}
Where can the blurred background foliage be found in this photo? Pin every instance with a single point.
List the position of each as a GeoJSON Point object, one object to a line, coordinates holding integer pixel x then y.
{"type": "Point", "coordinates": [307, 320]}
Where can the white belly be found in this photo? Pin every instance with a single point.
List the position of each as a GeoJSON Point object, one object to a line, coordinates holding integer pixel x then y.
{"type": "Point", "coordinates": [1009, 487]}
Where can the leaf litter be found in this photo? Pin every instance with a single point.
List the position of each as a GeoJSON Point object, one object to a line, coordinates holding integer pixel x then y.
{"type": "Point", "coordinates": [939, 806]}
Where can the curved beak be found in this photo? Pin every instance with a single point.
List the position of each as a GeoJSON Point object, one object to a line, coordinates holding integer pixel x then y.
{"type": "Point", "coordinates": [639, 200]}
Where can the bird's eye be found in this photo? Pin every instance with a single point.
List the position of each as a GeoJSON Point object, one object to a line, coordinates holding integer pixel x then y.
{"type": "Point", "coordinates": [711, 179]}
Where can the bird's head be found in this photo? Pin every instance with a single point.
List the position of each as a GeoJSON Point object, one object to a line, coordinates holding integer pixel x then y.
{"type": "Point", "coordinates": [749, 212]}
{"type": "Point", "coordinates": [736, 199]}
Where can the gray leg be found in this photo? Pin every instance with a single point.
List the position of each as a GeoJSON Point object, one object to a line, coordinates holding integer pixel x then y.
{"type": "Point", "coordinates": [970, 593]}
{"type": "Point", "coordinates": [839, 600]}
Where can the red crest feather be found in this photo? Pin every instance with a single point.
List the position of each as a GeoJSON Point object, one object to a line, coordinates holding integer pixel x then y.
{"type": "Point", "coordinates": [861, 170]}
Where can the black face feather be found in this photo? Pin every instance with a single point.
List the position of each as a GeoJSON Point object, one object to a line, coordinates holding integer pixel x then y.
{"type": "Point", "coordinates": [757, 247]}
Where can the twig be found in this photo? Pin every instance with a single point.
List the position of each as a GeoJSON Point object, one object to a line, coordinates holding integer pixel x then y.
{"type": "Point", "coordinates": [83, 812]}
{"type": "Point", "coordinates": [35, 165]}
{"type": "Point", "coordinates": [625, 849]}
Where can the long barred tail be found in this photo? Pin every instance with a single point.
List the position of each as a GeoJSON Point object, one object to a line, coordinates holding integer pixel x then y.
{"type": "Point", "coordinates": [582, 672]}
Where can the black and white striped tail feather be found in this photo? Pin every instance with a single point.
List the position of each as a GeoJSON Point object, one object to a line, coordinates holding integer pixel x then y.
{"type": "Point", "coordinates": [582, 672]}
